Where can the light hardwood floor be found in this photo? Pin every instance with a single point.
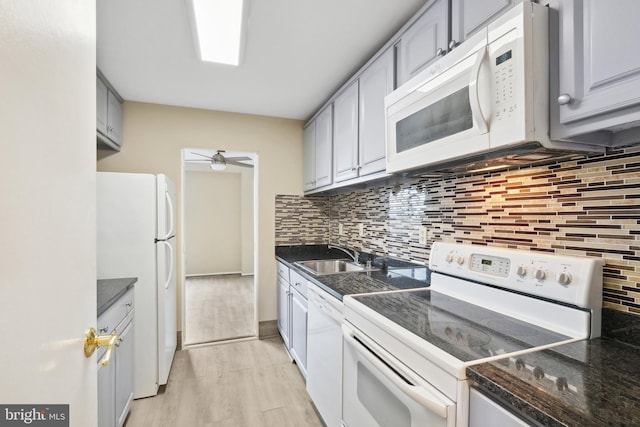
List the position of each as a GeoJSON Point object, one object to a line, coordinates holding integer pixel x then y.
{"type": "Point", "coordinates": [241, 384]}
{"type": "Point", "coordinates": [218, 308]}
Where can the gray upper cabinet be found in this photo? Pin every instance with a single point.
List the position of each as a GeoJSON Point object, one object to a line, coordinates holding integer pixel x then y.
{"type": "Point", "coordinates": [599, 67]}
{"type": "Point", "coordinates": [376, 82]}
{"type": "Point", "coordinates": [423, 42]}
{"type": "Point", "coordinates": [108, 115]}
{"type": "Point", "coordinates": [324, 146]}
{"type": "Point", "coordinates": [318, 144]}
{"type": "Point", "coordinates": [468, 16]}
{"type": "Point", "coordinates": [345, 134]}
{"type": "Point", "coordinates": [309, 160]}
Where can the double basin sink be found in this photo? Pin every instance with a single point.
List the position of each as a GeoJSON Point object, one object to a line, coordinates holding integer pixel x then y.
{"type": "Point", "coordinates": [332, 266]}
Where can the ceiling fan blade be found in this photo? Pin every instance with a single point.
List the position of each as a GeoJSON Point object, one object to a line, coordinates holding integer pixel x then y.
{"type": "Point", "coordinates": [237, 159]}
{"type": "Point", "coordinates": [198, 160]}
{"type": "Point", "coordinates": [244, 165]}
{"type": "Point", "coordinates": [203, 155]}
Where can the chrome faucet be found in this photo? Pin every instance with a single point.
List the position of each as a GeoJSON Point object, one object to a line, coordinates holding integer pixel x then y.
{"type": "Point", "coordinates": [353, 255]}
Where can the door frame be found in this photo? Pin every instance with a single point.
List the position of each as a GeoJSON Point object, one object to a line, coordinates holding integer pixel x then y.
{"type": "Point", "coordinates": [256, 278]}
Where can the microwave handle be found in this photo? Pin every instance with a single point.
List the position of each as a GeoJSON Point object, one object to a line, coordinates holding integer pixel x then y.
{"type": "Point", "coordinates": [474, 97]}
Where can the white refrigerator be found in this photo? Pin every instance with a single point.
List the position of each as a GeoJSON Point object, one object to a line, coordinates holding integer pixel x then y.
{"type": "Point", "coordinates": [136, 238]}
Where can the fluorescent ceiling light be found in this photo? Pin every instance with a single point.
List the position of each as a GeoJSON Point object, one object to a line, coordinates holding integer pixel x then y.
{"type": "Point", "coordinates": [218, 27]}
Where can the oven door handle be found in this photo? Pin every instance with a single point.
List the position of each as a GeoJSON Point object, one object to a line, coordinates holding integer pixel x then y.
{"type": "Point", "coordinates": [420, 395]}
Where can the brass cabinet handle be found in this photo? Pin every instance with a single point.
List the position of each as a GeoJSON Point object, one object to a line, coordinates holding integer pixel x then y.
{"type": "Point", "coordinates": [92, 341]}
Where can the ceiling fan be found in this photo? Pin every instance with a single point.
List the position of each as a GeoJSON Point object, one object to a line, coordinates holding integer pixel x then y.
{"type": "Point", "coordinates": [219, 161]}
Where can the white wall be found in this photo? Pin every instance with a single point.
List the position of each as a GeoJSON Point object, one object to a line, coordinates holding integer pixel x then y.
{"type": "Point", "coordinates": [213, 223]}
{"type": "Point", "coordinates": [48, 214]}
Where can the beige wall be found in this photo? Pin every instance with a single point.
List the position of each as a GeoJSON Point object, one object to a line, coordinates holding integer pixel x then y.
{"type": "Point", "coordinates": [213, 225]}
{"type": "Point", "coordinates": [153, 136]}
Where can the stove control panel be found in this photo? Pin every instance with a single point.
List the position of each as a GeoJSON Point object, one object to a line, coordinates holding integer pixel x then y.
{"type": "Point", "coordinates": [574, 280]}
{"type": "Point", "coordinates": [493, 265]}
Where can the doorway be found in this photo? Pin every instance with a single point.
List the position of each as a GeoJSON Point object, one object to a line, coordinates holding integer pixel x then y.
{"type": "Point", "coordinates": [219, 298]}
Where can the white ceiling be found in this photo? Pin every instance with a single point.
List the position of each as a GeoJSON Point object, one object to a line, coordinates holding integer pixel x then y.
{"type": "Point", "coordinates": [298, 52]}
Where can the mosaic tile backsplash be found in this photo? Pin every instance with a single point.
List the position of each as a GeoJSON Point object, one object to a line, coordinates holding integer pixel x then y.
{"type": "Point", "coordinates": [581, 207]}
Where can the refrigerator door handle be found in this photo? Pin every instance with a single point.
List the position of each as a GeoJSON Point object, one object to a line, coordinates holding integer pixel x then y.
{"type": "Point", "coordinates": [168, 278]}
{"type": "Point", "coordinates": [167, 197]}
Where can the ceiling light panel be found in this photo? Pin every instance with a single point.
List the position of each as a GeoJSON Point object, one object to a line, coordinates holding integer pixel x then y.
{"type": "Point", "coordinates": [218, 27]}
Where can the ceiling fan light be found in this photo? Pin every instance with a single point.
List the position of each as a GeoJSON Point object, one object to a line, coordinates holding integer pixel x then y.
{"type": "Point", "coordinates": [218, 166]}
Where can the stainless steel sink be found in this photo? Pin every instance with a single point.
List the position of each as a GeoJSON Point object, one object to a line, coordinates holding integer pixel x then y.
{"type": "Point", "coordinates": [332, 266]}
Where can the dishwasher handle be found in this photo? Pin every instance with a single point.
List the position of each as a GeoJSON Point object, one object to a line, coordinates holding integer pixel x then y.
{"type": "Point", "coordinates": [417, 393]}
{"type": "Point", "coordinates": [327, 307]}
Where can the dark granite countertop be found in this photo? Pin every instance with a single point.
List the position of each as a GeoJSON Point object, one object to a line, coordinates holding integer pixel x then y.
{"type": "Point", "coordinates": [588, 383]}
{"type": "Point", "coordinates": [393, 274]}
{"type": "Point", "coordinates": [109, 290]}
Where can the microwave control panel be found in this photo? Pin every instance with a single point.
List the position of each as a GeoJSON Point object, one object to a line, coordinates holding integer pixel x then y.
{"type": "Point", "coordinates": [504, 76]}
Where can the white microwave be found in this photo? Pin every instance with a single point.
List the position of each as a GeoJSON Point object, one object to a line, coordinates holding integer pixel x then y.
{"type": "Point", "coordinates": [483, 105]}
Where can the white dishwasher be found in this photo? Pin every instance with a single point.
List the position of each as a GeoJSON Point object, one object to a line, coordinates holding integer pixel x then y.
{"type": "Point", "coordinates": [324, 354]}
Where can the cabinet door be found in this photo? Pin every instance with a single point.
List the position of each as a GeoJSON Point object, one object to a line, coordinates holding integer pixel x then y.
{"type": "Point", "coordinates": [599, 64]}
{"type": "Point", "coordinates": [114, 114]}
{"type": "Point", "coordinates": [283, 309]}
{"type": "Point", "coordinates": [298, 339]}
{"type": "Point", "coordinates": [345, 134]}
{"type": "Point", "coordinates": [324, 145]}
{"type": "Point", "coordinates": [124, 374]}
{"type": "Point", "coordinates": [101, 106]}
{"type": "Point", "coordinates": [376, 82]}
{"type": "Point", "coordinates": [468, 16]}
{"type": "Point", "coordinates": [424, 41]}
{"type": "Point", "coordinates": [106, 393]}
{"type": "Point", "coordinates": [309, 157]}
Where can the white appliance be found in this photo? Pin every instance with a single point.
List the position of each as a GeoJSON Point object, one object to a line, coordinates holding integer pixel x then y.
{"type": "Point", "coordinates": [406, 352]}
{"type": "Point", "coordinates": [324, 354]}
{"type": "Point", "coordinates": [485, 104]}
{"type": "Point", "coordinates": [136, 238]}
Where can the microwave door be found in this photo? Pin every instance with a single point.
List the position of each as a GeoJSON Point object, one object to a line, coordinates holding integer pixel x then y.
{"type": "Point", "coordinates": [440, 120]}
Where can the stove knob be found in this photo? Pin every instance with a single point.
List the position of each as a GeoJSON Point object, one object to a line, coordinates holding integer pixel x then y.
{"type": "Point", "coordinates": [460, 260]}
{"type": "Point", "coordinates": [563, 278]}
{"type": "Point", "coordinates": [519, 364]}
{"type": "Point", "coordinates": [538, 373]}
{"type": "Point", "coordinates": [540, 274]}
{"type": "Point", "coordinates": [448, 258]}
{"type": "Point", "coordinates": [521, 271]}
{"type": "Point", "coordinates": [562, 383]}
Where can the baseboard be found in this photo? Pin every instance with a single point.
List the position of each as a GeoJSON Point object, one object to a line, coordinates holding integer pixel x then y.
{"type": "Point", "coordinates": [213, 274]}
{"type": "Point", "coordinates": [267, 329]}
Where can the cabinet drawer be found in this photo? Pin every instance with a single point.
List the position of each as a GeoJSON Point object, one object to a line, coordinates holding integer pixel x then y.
{"type": "Point", "coordinates": [298, 282]}
{"type": "Point", "coordinates": [283, 271]}
{"type": "Point", "coordinates": [108, 321]}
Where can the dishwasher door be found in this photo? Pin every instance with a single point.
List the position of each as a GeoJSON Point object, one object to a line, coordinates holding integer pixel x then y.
{"type": "Point", "coordinates": [324, 354]}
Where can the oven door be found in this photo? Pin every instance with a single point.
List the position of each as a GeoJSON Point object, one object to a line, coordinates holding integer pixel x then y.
{"type": "Point", "coordinates": [379, 391]}
{"type": "Point", "coordinates": [433, 119]}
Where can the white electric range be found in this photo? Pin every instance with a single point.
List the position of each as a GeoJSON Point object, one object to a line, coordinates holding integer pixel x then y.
{"type": "Point", "coordinates": [406, 352]}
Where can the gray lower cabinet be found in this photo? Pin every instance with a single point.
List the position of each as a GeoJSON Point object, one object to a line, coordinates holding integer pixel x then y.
{"type": "Point", "coordinates": [599, 68]}
{"type": "Point", "coordinates": [283, 303]}
{"type": "Point", "coordinates": [292, 314]}
{"type": "Point", "coordinates": [115, 381]}
{"type": "Point", "coordinates": [108, 115]}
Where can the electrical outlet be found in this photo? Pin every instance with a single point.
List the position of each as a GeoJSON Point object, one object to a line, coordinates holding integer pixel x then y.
{"type": "Point", "coordinates": [422, 235]}
{"type": "Point", "coordinates": [361, 229]}
{"type": "Point", "coordinates": [340, 229]}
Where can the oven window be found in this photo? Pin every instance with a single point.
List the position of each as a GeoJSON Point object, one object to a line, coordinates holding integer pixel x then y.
{"type": "Point", "coordinates": [446, 117]}
{"type": "Point", "coordinates": [381, 403]}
